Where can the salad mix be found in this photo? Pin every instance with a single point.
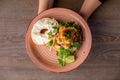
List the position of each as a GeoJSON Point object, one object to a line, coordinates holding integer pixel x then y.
{"type": "Point", "coordinates": [65, 38]}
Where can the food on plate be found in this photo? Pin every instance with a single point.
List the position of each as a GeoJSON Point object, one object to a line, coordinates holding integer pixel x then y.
{"type": "Point", "coordinates": [66, 41]}
{"type": "Point", "coordinates": [65, 38]}
{"type": "Point", "coordinates": [41, 29]}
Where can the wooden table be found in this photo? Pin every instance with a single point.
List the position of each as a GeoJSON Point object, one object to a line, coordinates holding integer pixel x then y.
{"type": "Point", "coordinates": [103, 63]}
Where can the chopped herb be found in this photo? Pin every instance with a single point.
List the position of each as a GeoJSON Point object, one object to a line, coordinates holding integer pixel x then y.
{"type": "Point", "coordinates": [74, 47]}
{"type": "Point", "coordinates": [77, 26]}
{"type": "Point", "coordinates": [55, 29]}
{"type": "Point", "coordinates": [59, 25]}
{"type": "Point", "coordinates": [61, 62]}
{"type": "Point", "coordinates": [50, 34]}
{"type": "Point", "coordinates": [64, 56]}
{"type": "Point", "coordinates": [49, 43]}
{"type": "Point", "coordinates": [77, 44]}
{"type": "Point", "coordinates": [68, 24]}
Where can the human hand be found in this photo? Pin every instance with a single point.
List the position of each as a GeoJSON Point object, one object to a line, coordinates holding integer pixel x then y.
{"type": "Point", "coordinates": [44, 5]}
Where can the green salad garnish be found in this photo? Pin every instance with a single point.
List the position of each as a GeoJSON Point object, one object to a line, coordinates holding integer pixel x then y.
{"type": "Point", "coordinates": [66, 39]}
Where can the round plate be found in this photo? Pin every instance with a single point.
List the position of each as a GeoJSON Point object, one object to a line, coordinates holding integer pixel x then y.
{"type": "Point", "coordinates": [46, 59]}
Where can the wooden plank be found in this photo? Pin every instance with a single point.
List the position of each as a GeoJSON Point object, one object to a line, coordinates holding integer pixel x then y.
{"type": "Point", "coordinates": [103, 63]}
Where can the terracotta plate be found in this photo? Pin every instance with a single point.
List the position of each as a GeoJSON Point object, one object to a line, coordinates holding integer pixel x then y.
{"type": "Point", "coordinates": [46, 59]}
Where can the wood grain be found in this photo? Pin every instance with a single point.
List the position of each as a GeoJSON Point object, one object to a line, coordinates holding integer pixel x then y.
{"type": "Point", "coordinates": [103, 63]}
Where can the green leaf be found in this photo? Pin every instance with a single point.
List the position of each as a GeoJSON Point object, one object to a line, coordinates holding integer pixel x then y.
{"type": "Point", "coordinates": [55, 29]}
{"type": "Point", "coordinates": [68, 24]}
{"type": "Point", "coordinates": [62, 63]}
{"type": "Point", "coordinates": [61, 48]}
{"type": "Point", "coordinates": [77, 44]}
{"type": "Point", "coordinates": [50, 34]}
{"type": "Point", "coordinates": [62, 55]}
{"type": "Point", "coordinates": [59, 25]}
{"type": "Point", "coordinates": [72, 49]}
{"type": "Point", "coordinates": [77, 26]}
{"type": "Point", "coordinates": [49, 43]}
